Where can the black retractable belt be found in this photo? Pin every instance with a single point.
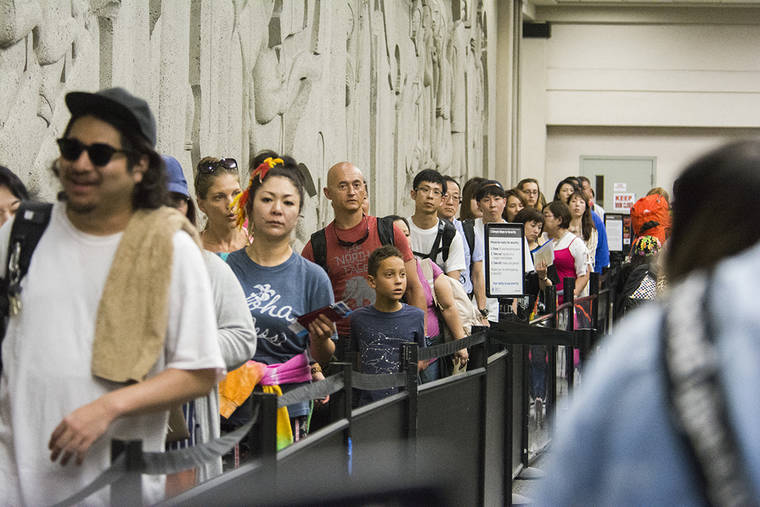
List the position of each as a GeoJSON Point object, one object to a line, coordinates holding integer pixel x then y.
{"type": "Point", "coordinates": [697, 398]}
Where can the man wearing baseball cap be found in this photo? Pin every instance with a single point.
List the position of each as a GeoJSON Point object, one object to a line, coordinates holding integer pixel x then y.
{"type": "Point", "coordinates": [116, 319]}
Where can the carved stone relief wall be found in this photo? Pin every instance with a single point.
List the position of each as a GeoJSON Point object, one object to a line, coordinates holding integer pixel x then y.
{"type": "Point", "coordinates": [395, 86]}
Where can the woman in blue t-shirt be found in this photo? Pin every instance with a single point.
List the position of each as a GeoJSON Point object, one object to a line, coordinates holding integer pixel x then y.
{"type": "Point", "coordinates": [279, 284]}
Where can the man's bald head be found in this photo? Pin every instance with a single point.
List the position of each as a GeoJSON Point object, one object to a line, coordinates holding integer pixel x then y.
{"type": "Point", "coordinates": [345, 187]}
{"type": "Point", "coordinates": [341, 171]}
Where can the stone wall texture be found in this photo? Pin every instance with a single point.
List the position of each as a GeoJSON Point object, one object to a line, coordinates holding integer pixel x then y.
{"type": "Point", "coordinates": [394, 86]}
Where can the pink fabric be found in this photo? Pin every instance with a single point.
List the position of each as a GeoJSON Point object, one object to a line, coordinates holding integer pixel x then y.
{"type": "Point", "coordinates": [292, 371]}
{"type": "Point", "coordinates": [431, 319]}
{"type": "Point", "coordinates": [564, 262]}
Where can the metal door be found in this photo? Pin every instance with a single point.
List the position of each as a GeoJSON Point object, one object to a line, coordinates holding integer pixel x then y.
{"type": "Point", "coordinates": [619, 181]}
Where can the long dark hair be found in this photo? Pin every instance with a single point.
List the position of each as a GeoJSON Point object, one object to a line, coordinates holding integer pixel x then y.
{"type": "Point", "coordinates": [715, 204]}
{"type": "Point", "coordinates": [587, 222]}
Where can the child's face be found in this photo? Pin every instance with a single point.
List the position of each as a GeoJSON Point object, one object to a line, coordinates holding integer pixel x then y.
{"type": "Point", "coordinates": [390, 280]}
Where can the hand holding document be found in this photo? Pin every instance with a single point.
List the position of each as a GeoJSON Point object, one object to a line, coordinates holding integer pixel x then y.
{"type": "Point", "coordinates": [544, 254]}
{"type": "Point", "coordinates": [334, 312]}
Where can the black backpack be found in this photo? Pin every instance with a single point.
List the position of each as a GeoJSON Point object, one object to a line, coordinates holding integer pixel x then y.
{"type": "Point", "coordinates": [30, 222]}
{"type": "Point", "coordinates": [319, 241]}
{"type": "Point", "coordinates": [442, 243]}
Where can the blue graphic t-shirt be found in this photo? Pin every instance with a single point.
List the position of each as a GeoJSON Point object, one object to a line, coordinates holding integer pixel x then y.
{"type": "Point", "coordinates": [276, 295]}
{"type": "Point", "coordinates": [378, 336]}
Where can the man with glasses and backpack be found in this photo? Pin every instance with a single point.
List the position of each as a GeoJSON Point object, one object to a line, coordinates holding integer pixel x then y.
{"type": "Point", "coordinates": [109, 317]}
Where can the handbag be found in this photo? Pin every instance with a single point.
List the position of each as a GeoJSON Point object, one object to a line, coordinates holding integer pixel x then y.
{"type": "Point", "coordinates": [176, 429]}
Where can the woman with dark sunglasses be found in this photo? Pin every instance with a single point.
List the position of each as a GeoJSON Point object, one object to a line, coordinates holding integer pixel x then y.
{"type": "Point", "coordinates": [217, 183]}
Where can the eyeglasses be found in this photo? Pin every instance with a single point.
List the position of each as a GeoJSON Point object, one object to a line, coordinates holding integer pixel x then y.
{"type": "Point", "coordinates": [210, 167]}
{"type": "Point", "coordinates": [530, 192]}
{"type": "Point", "coordinates": [427, 190]}
{"type": "Point", "coordinates": [452, 197]}
{"type": "Point", "coordinates": [100, 154]}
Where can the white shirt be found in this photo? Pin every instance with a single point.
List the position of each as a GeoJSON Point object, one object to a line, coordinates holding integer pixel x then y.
{"type": "Point", "coordinates": [47, 353]}
{"type": "Point", "coordinates": [493, 303]}
{"type": "Point", "coordinates": [421, 240]}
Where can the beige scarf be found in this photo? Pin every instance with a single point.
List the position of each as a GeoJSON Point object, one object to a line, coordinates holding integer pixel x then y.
{"type": "Point", "coordinates": [134, 309]}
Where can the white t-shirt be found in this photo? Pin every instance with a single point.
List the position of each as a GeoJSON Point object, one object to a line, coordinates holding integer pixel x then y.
{"type": "Point", "coordinates": [493, 303]}
{"type": "Point", "coordinates": [47, 353]}
{"type": "Point", "coordinates": [421, 240]}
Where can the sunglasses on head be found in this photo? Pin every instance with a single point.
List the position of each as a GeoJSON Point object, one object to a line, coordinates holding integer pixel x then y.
{"type": "Point", "coordinates": [228, 164]}
{"type": "Point", "coordinates": [100, 154]}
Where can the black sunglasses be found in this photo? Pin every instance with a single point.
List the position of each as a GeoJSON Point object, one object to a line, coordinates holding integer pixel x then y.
{"type": "Point", "coordinates": [100, 154]}
{"type": "Point", "coordinates": [228, 164]}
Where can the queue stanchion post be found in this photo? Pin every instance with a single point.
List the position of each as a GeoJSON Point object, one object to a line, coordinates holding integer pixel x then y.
{"type": "Point", "coordinates": [341, 404]}
{"type": "Point", "coordinates": [596, 289]}
{"type": "Point", "coordinates": [409, 355]}
{"type": "Point", "coordinates": [127, 490]}
{"type": "Point", "coordinates": [551, 350]}
{"type": "Point", "coordinates": [262, 439]}
{"type": "Point", "coordinates": [568, 286]}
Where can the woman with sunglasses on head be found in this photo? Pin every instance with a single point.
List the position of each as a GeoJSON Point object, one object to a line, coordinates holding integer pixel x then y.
{"type": "Point", "coordinates": [279, 284]}
{"type": "Point", "coordinates": [217, 183]}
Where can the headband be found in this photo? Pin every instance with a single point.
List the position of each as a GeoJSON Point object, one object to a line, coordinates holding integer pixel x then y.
{"type": "Point", "coordinates": [239, 202]}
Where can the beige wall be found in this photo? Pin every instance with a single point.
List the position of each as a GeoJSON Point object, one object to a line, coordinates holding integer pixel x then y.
{"type": "Point", "coordinates": [660, 82]}
{"type": "Point", "coordinates": [395, 86]}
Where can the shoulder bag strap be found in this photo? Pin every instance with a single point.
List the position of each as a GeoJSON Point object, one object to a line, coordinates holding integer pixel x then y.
{"type": "Point", "coordinates": [697, 398]}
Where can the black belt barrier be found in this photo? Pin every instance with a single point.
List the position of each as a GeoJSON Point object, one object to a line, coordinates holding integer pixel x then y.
{"type": "Point", "coordinates": [160, 463]}
{"type": "Point", "coordinates": [446, 349]}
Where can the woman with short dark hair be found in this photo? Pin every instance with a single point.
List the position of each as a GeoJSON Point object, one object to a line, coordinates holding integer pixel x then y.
{"type": "Point", "coordinates": [12, 192]}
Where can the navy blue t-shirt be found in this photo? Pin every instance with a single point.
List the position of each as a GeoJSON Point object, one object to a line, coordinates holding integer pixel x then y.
{"type": "Point", "coordinates": [378, 336]}
{"type": "Point", "coordinates": [276, 295]}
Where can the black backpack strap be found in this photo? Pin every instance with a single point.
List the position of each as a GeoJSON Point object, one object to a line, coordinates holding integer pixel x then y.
{"type": "Point", "coordinates": [30, 222]}
{"type": "Point", "coordinates": [468, 226]}
{"type": "Point", "coordinates": [446, 233]}
{"type": "Point", "coordinates": [319, 249]}
{"type": "Point", "coordinates": [385, 231]}
{"type": "Point", "coordinates": [449, 232]}
{"type": "Point", "coordinates": [433, 253]}
{"type": "Point", "coordinates": [697, 399]}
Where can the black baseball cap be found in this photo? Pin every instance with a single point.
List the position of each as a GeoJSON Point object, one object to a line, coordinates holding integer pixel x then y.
{"type": "Point", "coordinates": [115, 102]}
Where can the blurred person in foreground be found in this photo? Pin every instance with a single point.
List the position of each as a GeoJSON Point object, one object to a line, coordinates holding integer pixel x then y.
{"type": "Point", "coordinates": [667, 413]}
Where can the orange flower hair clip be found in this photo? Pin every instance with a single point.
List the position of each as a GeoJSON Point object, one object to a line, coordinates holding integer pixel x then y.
{"type": "Point", "coordinates": [241, 200]}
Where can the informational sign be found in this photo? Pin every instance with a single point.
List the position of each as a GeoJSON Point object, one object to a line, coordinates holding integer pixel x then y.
{"type": "Point", "coordinates": [613, 223]}
{"type": "Point", "coordinates": [619, 187]}
{"type": "Point", "coordinates": [623, 202]}
{"type": "Point", "coordinates": [627, 231]}
{"type": "Point", "coordinates": [505, 260]}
